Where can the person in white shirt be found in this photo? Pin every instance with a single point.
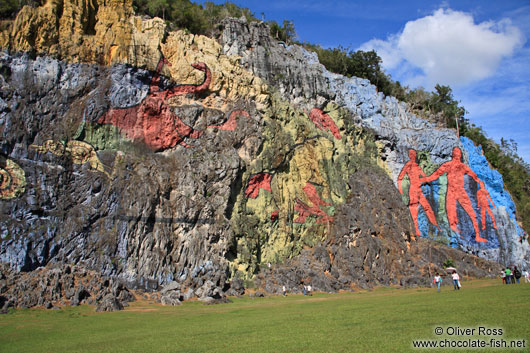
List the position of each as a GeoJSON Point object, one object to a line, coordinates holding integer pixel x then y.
{"type": "Point", "coordinates": [438, 281]}
{"type": "Point", "coordinates": [456, 280]}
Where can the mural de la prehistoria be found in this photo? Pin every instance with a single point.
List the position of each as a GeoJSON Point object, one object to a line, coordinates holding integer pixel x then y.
{"type": "Point", "coordinates": [161, 157]}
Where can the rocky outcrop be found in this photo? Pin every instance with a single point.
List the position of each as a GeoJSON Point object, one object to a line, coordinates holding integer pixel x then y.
{"type": "Point", "coordinates": [59, 286]}
{"type": "Point", "coordinates": [167, 159]}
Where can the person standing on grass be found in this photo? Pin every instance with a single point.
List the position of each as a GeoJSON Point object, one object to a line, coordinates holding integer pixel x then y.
{"type": "Point", "coordinates": [526, 276]}
{"type": "Point", "coordinates": [438, 281]}
{"type": "Point", "coordinates": [503, 275]}
{"type": "Point", "coordinates": [309, 289]}
{"type": "Point", "coordinates": [284, 290]}
{"type": "Point", "coordinates": [517, 274]}
{"type": "Point", "coordinates": [508, 275]}
{"type": "Point", "coordinates": [456, 280]}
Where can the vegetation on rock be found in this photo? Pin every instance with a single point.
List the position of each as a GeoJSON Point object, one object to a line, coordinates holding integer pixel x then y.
{"type": "Point", "coordinates": [191, 16]}
{"type": "Point", "coordinates": [448, 263]}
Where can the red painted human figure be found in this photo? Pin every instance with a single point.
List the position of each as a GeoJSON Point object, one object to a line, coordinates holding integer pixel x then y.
{"type": "Point", "coordinates": [483, 200]}
{"type": "Point", "coordinates": [416, 196]}
{"type": "Point", "coordinates": [152, 121]}
{"type": "Point", "coordinates": [456, 171]}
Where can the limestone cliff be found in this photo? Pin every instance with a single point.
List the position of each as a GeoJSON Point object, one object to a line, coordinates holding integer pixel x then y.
{"type": "Point", "coordinates": [158, 157]}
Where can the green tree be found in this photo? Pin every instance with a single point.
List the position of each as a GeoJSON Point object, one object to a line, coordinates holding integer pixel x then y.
{"type": "Point", "coordinates": [157, 8]}
{"type": "Point", "coordinates": [9, 8]}
{"type": "Point", "coordinates": [449, 112]}
{"type": "Point", "coordinates": [448, 263]}
{"type": "Point", "coordinates": [190, 16]}
{"type": "Point", "coordinates": [285, 33]}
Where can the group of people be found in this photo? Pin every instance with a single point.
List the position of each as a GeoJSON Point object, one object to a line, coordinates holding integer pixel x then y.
{"type": "Point", "coordinates": [512, 275]}
{"type": "Point", "coordinates": [307, 290]}
{"type": "Point", "coordinates": [455, 277]}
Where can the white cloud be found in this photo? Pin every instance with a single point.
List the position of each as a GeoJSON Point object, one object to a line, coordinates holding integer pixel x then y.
{"type": "Point", "coordinates": [448, 48]}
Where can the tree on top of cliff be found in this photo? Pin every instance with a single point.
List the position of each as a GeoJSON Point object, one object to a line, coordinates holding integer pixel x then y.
{"type": "Point", "coordinates": [205, 19]}
{"type": "Point", "coordinates": [285, 33]}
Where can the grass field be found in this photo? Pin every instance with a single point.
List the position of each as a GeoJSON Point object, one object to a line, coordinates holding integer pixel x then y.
{"type": "Point", "coordinates": [383, 320]}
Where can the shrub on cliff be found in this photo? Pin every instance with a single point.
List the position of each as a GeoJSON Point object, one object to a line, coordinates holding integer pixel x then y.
{"type": "Point", "coordinates": [204, 19]}
{"type": "Point", "coordinates": [285, 32]}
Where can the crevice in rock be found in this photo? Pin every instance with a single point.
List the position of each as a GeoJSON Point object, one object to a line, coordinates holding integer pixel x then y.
{"type": "Point", "coordinates": [235, 190]}
{"type": "Point", "coordinates": [90, 24]}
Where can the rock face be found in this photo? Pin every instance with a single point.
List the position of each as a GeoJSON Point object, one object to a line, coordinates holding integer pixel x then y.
{"type": "Point", "coordinates": [163, 158]}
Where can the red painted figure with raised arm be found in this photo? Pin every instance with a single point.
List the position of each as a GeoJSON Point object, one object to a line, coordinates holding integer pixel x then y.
{"type": "Point", "coordinates": [456, 171]}
{"type": "Point", "coordinates": [416, 196]}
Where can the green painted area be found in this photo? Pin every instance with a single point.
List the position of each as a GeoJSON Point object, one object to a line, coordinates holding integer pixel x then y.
{"type": "Point", "coordinates": [428, 167]}
{"type": "Point", "coordinates": [442, 213]}
{"type": "Point", "coordinates": [384, 320]}
{"type": "Point", "coordinates": [405, 186]}
{"type": "Point", "coordinates": [103, 137]}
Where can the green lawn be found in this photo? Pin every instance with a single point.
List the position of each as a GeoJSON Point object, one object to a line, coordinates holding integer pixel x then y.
{"type": "Point", "coordinates": [383, 320]}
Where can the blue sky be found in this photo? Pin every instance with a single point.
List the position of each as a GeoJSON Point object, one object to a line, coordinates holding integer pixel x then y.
{"type": "Point", "coordinates": [479, 48]}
